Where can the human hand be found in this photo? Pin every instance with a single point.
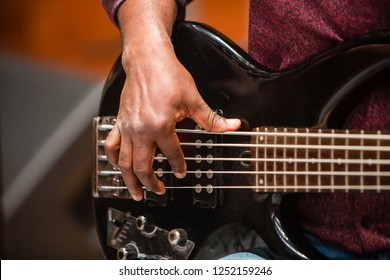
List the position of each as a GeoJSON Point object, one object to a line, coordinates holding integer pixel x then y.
{"type": "Point", "coordinates": [158, 92]}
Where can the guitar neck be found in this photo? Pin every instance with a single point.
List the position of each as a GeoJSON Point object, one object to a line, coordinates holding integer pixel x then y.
{"type": "Point", "coordinates": [316, 160]}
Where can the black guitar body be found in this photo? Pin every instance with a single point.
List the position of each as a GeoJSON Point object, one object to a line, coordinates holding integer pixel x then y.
{"type": "Point", "coordinates": [315, 94]}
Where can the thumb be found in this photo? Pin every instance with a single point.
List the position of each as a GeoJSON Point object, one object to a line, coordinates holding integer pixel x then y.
{"type": "Point", "coordinates": [211, 121]}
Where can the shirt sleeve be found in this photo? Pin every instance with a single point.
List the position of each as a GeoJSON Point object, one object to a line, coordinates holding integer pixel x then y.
{"type": "Point", "coordinates": [111, 7]}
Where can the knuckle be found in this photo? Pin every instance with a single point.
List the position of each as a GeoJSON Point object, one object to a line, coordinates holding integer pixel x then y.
{"type": "Point", "coordinates": [124, 165]}
{"type": "Point", "coordinates": [109, 145]}
{"type": "Point", "coordinates": [138, 129]}
{"type": "Point", "coordinates": [176, 159]}
{"type": "Point", "coordinates": [216, 122]}
{"type": "Point", "coordinates": [174, 156]}
{"type": "Point", "coordinates": [212, 119]}
{"type": "Point", "coordinates": [209, 119]}
{"type": "Point", "coordinates": [141, 170]}
{"type": "Point", "coordinates": [162, 124]}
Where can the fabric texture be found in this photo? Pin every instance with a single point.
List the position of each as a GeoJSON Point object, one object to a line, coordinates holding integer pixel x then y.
{"type": "Point", "coordinates": [111, 7]}
{"type": "Point", "coordinates": [357, 222]}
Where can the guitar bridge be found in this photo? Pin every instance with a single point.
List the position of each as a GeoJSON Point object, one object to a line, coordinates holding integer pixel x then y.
{"type": "Point", "coordinates": [137, 238]}
{"type": "Point", "coordinates": [108, 182]}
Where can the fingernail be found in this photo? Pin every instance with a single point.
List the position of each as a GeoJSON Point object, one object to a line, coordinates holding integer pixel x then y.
{"type": "Point", "coordinates": [180, 175]}
{"type": "Point", "coordinates": [137, 197]}
{"type": "Point", "coordinates": [232, 122]}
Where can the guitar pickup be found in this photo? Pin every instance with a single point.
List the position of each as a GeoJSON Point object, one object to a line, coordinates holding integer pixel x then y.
{"type": "Point", "coordinates": [203, 169]}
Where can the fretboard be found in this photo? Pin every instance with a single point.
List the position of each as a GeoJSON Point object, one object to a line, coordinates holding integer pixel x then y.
{"type": "Point", "coordinates": [315, 160]}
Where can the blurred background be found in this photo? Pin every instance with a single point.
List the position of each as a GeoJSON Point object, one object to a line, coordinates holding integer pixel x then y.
{"type": "Point", "coordinates": [54, 58]}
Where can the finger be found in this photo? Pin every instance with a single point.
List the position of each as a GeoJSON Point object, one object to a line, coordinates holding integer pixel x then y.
{"type": "Point", "coordinates": [112, 144]}
{"type": "Point", "coordinates": [202, 114]}
{"type": "Point", "coordinates": [170, 147]}
{"type": "Point", "coordinates": [143, 166]}
{"type": "Point", "coordinates": [125, 164]}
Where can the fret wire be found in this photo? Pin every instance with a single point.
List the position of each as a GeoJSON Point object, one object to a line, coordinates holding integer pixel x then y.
{"type": "Point", "coordinates": [284, 162]}
{"type": "Point", "coordinates": [274, 163]}
{"type": "Point", "coordinates": [265, 156]}
{"type": "Point", "coordinates": [319, 168]}
{"type": "Point", "coordinates": [295, 163]}
{"type": "Point", "coordinates": [361, 156]}
{"type": "Point", "coordinates": [346, 165]}
{"type": "Point", "coordinates": [307, 156]}
{"type": "Point", "coordinates": [378, 168]}
{"type": "Point", "coordinates": [257, 164]}
{"type": "Point", "coordinates": [332, 156]}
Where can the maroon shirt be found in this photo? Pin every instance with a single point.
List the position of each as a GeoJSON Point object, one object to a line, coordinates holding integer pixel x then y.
{"type": "Point", "coordinates": [285, 33]}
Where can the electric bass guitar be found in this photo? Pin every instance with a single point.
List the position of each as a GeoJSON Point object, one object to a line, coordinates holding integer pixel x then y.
{"type": "Point", "coordinates": [291, 142]}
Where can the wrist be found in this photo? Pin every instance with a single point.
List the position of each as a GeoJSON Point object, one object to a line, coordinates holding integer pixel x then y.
{"type": "Point", "coordinates": [140, 52]}
{"type": "Point", "coordinates": [139, 19]}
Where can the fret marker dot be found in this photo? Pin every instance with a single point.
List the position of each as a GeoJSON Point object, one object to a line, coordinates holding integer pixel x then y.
{"type": "Point", "coordinates": [261, 138]}
{"type": "Point", "coordinates": [339, 161]}
{"type": "Point", "coordinates": [369, 161]}
{"type": "Point", "coordinates": [289, 160]}
{"type": "Point", "coordinates": [261, 181]}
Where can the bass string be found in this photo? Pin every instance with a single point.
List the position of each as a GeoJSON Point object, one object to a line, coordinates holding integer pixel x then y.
{"type": "Point", "coordinates": [269, 188]}
{"type": "Point", "coordinates": [380, 145]}
{"type": "Point", "coordinates": [338, 161]}
{"type": "Point", "coordinates": [265, 172]}
{"type": "Point", "coordinates": [379, 137]}
{"type": "Point", "coordinates": [211, 173]}
{"type": "Point", "coordinates": [344, 134]}
{"type": "Point", "coordinates": [382, 148]}
{"type": "Point", "coordinates": [269, 131]}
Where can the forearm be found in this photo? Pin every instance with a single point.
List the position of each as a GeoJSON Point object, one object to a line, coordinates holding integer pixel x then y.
{"type": "Point", "coordinates": [158, 92]}
{"type": "Point", "coordinates": [143, 23]}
